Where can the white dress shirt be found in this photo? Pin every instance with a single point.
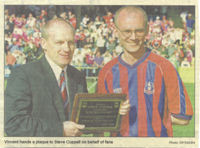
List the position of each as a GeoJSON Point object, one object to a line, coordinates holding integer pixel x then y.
{"type": "Point", "coordinates": [56, 69]}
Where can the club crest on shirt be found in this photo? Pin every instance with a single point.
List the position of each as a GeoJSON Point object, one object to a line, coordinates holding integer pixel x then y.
{"type": "Point", "coordinates": [149, 88]}
{"type": "Point", "coordinates": [117, 90]}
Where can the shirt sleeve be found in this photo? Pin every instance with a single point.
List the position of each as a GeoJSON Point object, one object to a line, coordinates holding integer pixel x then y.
{"type": "Point", "coordinates": [101, 86]}
{"type": "Point", "coordinates": [178, 101]}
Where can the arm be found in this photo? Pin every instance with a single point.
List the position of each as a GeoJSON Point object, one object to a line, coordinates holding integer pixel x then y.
{"type": "Point", "coordinates": [84, 84]}
{"type": "Point", "coordinates": [19, 107]}
{"type": "Point", "coordinates": [101, 88]}
{"type": "Point", "coordinates": [178, 101]}
{"type": "Point", "coordinates": [125, 107]}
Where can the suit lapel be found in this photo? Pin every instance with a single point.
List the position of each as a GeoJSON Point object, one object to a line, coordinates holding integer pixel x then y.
{"type": "Point", "coordinates": [71, 87]}
{"type": "Point", "coordinates": [53, 88]}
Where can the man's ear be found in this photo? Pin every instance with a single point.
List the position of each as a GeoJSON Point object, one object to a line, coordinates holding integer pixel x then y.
{"type": "Point", "coordinates": [43, 43]}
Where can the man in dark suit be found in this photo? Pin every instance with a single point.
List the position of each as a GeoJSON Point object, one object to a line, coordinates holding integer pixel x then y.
{"type": "Point", "coordinates": [33, 99]}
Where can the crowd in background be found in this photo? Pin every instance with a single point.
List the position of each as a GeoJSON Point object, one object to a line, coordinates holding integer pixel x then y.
{"type": "Point", "coordinates": [96, 42]}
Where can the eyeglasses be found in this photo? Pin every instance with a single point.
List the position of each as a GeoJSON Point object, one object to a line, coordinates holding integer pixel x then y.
{"type": "Point", "coordinates": [128, 33]}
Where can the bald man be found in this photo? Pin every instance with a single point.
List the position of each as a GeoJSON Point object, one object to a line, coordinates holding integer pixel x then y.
{"type": "Point", "coordinates": [39, 95]}
{"type": "Point", "coordinates": [154, 89]}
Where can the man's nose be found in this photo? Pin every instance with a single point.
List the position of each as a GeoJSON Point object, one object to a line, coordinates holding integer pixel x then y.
{"type": "Point", "coordinates": [133, 36]}
{"type": "Point", "coordinates": [66, 46]}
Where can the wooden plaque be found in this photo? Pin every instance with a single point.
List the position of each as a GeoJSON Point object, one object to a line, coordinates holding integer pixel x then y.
{"type": "Point", "coordinates": [98, 112]}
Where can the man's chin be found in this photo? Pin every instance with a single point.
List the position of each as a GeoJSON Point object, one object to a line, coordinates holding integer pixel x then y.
{"type": "Point", "coordinates": [63, 64]}
{"type": "Point", "coordinates": [133, 49]}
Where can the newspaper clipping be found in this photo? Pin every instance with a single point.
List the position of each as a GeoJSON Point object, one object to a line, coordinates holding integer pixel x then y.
{"type": "Point", "coordinates": [91, 73]}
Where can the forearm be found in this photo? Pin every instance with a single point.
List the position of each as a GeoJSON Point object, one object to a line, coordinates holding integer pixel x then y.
{"type": "Point", "coordinates": [19, 121]}
{"type": "Point", "coordinates": [28, 126]}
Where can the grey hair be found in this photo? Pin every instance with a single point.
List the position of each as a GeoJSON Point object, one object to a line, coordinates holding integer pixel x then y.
{"type": "Point", "coordinates": [46, 27]}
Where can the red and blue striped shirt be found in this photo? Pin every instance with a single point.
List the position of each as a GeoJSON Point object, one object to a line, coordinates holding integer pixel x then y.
{"type": "Point", "coordinates": [155, 91]}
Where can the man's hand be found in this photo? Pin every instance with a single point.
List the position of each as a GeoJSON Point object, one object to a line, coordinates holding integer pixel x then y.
{"type": "Point", "coordinates": [71, 129]}
{"type": "Point", "coordinates": [177, 121]}
{"type": "Point", "coordinates": [125, 107]}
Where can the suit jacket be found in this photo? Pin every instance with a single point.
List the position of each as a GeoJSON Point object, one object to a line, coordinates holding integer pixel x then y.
{"type": "Point", "coordinates": [33, 102]}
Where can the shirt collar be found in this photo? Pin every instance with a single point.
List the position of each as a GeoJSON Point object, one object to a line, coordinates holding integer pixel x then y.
{"type": "Point", "coordinates": [56, 69]}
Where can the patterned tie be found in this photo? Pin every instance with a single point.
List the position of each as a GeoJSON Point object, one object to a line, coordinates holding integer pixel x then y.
{"type": "Point", "coordinates": [64, 90]}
